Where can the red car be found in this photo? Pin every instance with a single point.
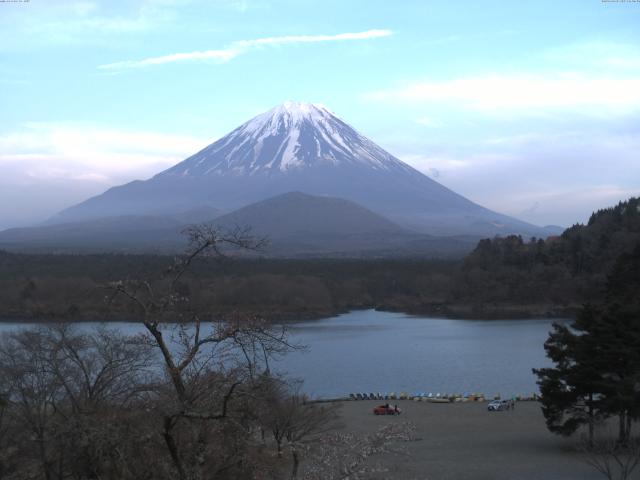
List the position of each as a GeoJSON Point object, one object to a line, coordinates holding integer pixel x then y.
{"type": "Point", "coordinates": [386, 410]}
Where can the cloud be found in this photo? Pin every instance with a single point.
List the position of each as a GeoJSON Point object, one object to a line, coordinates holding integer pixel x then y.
{"type": "Point", "coordinates": [566, 174]}
{"type": "Point", "coordinates": [49, 166]}
{"type": "Point", "coordinates": [564, 206]}
{"type": "Point", "coordinates": [220, 55]}
{"type": "Point", "coordinates": [595, 54]}
{"type": "Point", "coordinates": [428, 122]}
{"type": "Point", "coordinates": [522, 92]}
{"type": "Point", "coordinates": [64, 22]}
{"type": "Point", "coordinates": [287, 39]}
{"type": "Point", "coordinates": [74, 152]}
{"type": "Point", "coordinates": [243, 46]}
{"type": "Point", "coordinates": [528, 187]}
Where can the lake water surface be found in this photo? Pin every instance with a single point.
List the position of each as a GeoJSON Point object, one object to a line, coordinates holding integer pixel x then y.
{"type": "Point", "coordinates": [369, 351]}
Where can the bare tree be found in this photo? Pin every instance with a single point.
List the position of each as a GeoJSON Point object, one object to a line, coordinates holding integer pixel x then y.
{"type": "Point", "coordinates": [7, 449]}
{"type": "Point", "coordinates": [308, 422]}
{"type": "Point", "coordinates": [211, 363]}
{"type": "Point", "coordinates": [294, 422]}
{"type": "Point", "coordinates": [64, 391]}
{"type": "Point", "coordinates": [612, 459]}
{"type": "Point", "coordinates": [32, 390]}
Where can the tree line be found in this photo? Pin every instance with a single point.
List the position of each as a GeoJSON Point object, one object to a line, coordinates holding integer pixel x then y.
{"type": "Point", "coordinates": [503, 276]}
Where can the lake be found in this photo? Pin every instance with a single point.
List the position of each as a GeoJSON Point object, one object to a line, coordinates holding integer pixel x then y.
{"type": "Point", "coordinates": [370, 351]}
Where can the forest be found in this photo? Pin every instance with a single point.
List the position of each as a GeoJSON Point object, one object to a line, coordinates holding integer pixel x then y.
{"type": "Point", "coordinates": [502, 277]}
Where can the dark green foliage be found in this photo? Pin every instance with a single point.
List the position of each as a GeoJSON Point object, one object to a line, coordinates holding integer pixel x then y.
{"type": "Point", "coordinates": [624, 282]}
{"type": "Point", "coordinates": [569, 269]}
{"type": "Point", "coordinates": [597, 360]}
{"type": "Point", "coordinates": [570, 389]}
{"type": "Point", "coordinates": [69, 286]}
{"type": "Point", "coordinates": [581, 248]}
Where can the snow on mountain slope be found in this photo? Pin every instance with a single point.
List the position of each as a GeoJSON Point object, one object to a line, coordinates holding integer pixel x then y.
{"type": "Point", "coordinates": [290, 136]}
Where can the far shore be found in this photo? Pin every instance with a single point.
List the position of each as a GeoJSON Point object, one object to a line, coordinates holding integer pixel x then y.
{"type": "Point", "coordinates": [440, 310]}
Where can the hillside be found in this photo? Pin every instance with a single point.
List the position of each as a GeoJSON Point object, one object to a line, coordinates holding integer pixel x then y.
{"type": "Point", "coordinates": [126, 233]}
{"type": "Point", "coordinates": [296, 214]}
{"type": "Point", "coordinates": [590, 248]}
{"type": "Point", "coordinates": [502, 277]}
{"type": "Point", "coordinates": [294, 224]}
{"type": "Point", "coordinates": [566, 270]}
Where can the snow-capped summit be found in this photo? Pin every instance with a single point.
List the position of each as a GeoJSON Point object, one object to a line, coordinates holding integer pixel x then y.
{"type": "Point", "coordinates": [300, 147]}
{"type": "Point", "coordinates": [289, 136]}
{"type": "Point", "coordinates": [297, 111]}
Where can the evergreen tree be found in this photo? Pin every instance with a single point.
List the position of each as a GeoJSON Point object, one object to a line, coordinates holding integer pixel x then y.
{"type": "Point", "coordinates": [569, 391]}
{"type": "Point", "coordinates": [597, 359]}
{"type": "Point", "coordinates": [619, 334]}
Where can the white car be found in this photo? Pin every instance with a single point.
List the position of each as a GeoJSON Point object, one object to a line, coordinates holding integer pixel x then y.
{"type": "Point", "coordinates": [498, 405]}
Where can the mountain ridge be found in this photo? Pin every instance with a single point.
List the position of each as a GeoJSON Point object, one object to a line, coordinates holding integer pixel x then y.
{"type": "Point", "coordinates": [302, 147]}
{"type": "Point", "coordinates": [295, 224]}
{"type": "Point", "coordinates": [297, 213]}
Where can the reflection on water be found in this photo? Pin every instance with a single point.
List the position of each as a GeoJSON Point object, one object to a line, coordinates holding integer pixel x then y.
{"type": "Point", "coordinates": [369, 351]}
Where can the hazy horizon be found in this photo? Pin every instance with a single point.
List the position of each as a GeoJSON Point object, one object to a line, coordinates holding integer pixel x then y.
{"type": "Point", "coordinates": [530, 110]}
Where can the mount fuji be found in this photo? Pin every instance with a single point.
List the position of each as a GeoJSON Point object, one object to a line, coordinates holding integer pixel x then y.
{"type": "Point", "coordinates": [298, 174]}
{"type": "Point", "coordinates": [305, 148]}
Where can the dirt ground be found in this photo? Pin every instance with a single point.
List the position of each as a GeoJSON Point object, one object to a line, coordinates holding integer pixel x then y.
{"type": "Point", "coordinates": [465, 441]}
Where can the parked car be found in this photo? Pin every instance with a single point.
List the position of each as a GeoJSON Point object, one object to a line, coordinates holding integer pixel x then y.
{"type": "Point", "coordinates": [386, 410]}
{"type": "Point", "coordinates": [498, 405]}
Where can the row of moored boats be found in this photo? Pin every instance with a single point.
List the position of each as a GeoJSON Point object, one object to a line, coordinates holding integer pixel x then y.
{"type": "Point", "coordinates": [433, 397]}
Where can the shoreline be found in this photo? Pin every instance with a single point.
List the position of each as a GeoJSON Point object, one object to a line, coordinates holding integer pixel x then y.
{"type": "Point", "coordinates": [449, 311]}
{"type": "Point", "coordinates": [465, 440]}
{"type": "Point", "coordinates": [505, 311]}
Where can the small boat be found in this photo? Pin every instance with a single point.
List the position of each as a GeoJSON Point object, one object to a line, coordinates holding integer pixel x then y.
{"type": "Point", "coordinates": [439, 400]}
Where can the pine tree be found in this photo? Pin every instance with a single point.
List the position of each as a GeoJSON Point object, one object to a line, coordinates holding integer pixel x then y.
{"type": "Point", "coordinates": [569, 391]}
{"type": "Point", "coordinates": [597, 359]}
{"type": "Point", "coordinates": [619, 334]}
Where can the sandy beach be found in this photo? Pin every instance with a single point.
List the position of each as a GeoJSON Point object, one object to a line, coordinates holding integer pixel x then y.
{"type": "Point", "coordinates": [465, 441]}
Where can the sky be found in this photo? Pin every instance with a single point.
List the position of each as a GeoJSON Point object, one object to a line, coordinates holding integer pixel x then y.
{"type": "Point", "coordinates": [529, 108]}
